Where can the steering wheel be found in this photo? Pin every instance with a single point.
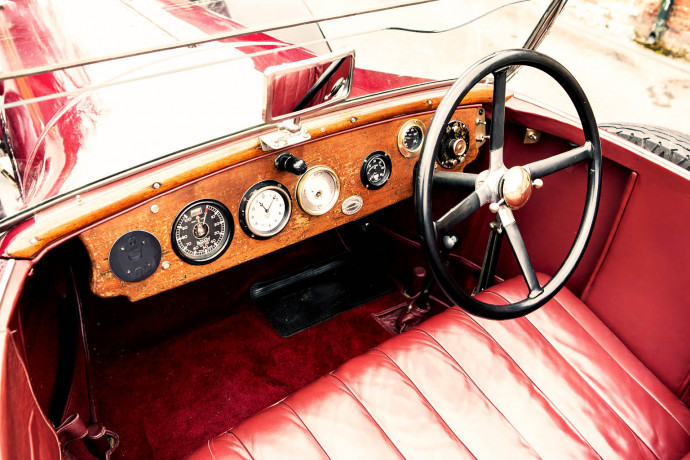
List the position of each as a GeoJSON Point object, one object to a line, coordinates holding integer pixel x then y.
{"type": "Point", "coordinates": [504, 190]}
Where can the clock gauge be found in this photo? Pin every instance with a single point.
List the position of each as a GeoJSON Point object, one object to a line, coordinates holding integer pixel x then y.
{"type": "Point", "coordinates": [265, 209]}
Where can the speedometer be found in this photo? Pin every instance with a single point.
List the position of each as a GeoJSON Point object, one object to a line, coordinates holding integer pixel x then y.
{"type": "Point", "coordinates": [202, 231]}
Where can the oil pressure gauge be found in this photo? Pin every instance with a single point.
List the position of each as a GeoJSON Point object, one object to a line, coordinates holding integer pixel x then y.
{"type": "Point", "coordinates": [411, 138]}
{"type": "Point", "coordinates": [318, 190]}
{"type": "Point", "coordinates": [202, 231]}
{"type": "Point", "coordinates": [265, 209]}
{"type": "Point", "coordinates": [376, 170]}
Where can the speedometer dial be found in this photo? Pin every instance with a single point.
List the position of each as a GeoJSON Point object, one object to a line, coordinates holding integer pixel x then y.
{"type": "Point", "coordinates": [202, 231]}
{"type": "Point", "coordinates": [318, 190]}
{"type": "Point", "coordinates": [265, 209]}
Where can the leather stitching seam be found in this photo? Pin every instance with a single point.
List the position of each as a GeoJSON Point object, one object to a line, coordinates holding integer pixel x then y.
{"type": "Point", "coordinates": [613, 409]}
{"type": "Point", "coordinates": [352, 394]}
{"type": "Point", "coordinates": [431, 406]}
{"type": "Point", "coordinates": [242, 444]}
{"type": "Point", "coordinates": [283, 403]}
{"type": "Point", "coordinates": [443, 349]}
{"type": "Point", "coordinates": [636, 436]}
{"type": "Point", "coordinates": [210, 450]}
{"type": "Point", "coordinates": [619, 365]}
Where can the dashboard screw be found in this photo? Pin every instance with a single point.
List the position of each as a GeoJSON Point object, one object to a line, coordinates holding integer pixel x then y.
{"type": "Point", "coordinates": [353, 119]}
{"type": "Point", "coordinates": [165, 265]}
{"type": "Point", "coordinates": [156, 185]}
{"type": "Point", "coordinates": [155, 208]}
{"type": "Point", "coordinates": [33, 240]}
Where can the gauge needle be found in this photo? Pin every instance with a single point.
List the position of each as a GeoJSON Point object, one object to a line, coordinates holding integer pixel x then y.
{"type": "Point", "coordinates": [269, 206]}
{"type": "Point", "coordinates": [201, 226]}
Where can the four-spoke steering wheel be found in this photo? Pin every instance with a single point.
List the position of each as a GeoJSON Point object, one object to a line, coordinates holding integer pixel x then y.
{"type": "Point", "coordinates": [503, 189]}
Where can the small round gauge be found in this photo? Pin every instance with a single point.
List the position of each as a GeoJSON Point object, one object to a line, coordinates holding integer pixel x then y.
{"type": "Point", "coordinates": [318, 190]}
{"type": "Point", "coordinates": [202, 231]}
{"type": "Point", "coordinates": [376, 170]}
{"type": "Point", "coordinates": [411, 138]}
{"type": "Point", "coordinates": [265, 209]}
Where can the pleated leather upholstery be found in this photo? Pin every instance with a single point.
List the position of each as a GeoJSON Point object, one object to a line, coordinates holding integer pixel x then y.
{"type": "Point", "coordinates": [555, 384]}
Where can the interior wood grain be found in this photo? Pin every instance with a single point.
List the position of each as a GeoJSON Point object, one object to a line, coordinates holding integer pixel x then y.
{"type": "Point", "coordinates": [71, 215]}
{"type": "Point", "coordinates": [344, 153]}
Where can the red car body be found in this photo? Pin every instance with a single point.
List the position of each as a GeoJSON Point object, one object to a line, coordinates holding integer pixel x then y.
{"type": "Point", "coordinates": [633, 276]}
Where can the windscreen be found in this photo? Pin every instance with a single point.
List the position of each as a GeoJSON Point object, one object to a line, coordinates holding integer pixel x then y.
{"type": "Point", "coordinates": [94, 90]}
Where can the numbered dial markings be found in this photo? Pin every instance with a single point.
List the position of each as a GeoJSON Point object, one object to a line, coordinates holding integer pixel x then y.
{"type": "Point", "coordinates": [411, 138]}
{"type": "Point", "coordinates": [265, 209]}
{"type": "Point", "coordinates": [202, 231]}
{"type": "Point", "coordinates": [376, 170]}
{"type": "Point", "coordinates": [318, 190]}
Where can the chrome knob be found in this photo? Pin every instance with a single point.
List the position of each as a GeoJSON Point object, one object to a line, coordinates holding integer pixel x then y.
{"type": "Point", "coordinates": [516, 187]}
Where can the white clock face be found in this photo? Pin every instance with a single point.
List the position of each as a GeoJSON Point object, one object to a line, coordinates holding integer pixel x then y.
{"type": "Point", "coordinates": [267, 211]}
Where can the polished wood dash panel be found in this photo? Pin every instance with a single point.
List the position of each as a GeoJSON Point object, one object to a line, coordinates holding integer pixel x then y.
{"type": "Point", "coordinates": [344, 153]}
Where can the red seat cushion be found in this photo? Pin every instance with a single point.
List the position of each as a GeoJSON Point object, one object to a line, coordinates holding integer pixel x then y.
{"type": "Point", "coordinates": [554, 384]}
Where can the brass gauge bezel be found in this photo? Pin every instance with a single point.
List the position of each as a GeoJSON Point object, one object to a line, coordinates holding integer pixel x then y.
{"type": "Point", "coordinates": [306, 177]}
{"type": "Point", "coordinates": [404, 151]}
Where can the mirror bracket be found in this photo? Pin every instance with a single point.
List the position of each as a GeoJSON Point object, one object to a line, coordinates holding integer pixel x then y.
{"type": "Point", "coordinates": [289, 133]}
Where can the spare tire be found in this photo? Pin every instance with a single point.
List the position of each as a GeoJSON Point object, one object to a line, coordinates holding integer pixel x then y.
{"type": "Point", "coordinates": [671, 145]}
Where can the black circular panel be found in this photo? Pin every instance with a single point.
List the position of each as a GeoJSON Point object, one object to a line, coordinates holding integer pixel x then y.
{"type": "Point", "coordinates": [135, 256]}
{"type": "Point", "coordinates": [202, 231]}
{"type": "Point", "coordinates": [376, 170]}
{"type": "Point", "coordinates": [413, 137]}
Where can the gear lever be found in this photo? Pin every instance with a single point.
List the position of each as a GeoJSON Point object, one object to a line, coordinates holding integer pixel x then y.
{"type": "Point", "coordinates": [419, 305]}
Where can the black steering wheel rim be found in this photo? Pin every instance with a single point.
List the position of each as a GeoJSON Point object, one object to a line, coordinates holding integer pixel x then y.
{"type": "Point", "coordinates": [497, 64]}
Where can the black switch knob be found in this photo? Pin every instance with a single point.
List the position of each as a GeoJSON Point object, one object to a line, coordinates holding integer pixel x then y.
{"type": "Point", "coordinates": [286, 161]}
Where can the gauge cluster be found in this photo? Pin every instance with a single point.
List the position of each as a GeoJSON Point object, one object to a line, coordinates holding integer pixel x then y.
{"type": "Point", "coordinates": [255, 207]}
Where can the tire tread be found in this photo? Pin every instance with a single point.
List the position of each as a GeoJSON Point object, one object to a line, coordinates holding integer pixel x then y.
{"type": "Point", "coordinates": [671, 145]}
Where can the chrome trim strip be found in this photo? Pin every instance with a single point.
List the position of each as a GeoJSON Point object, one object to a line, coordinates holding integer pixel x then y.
{"type": "Point", "coordinates": [541, 30]}
{"type": "Point", "coordinates": [544, 25]}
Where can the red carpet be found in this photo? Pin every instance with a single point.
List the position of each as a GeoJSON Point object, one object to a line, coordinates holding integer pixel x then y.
{"type": "Point", "coordinates": [172, 371]}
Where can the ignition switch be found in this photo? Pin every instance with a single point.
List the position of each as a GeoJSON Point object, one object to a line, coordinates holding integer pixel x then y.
{"type": "Point", "coordinates": [286, 161]}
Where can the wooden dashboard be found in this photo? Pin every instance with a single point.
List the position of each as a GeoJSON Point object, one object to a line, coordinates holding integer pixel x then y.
{"type": "Point", "coordinates": [344, 152]}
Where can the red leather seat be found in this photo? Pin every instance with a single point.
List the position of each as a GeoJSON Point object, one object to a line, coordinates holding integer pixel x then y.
{"type": "Point", "coordinates": [555, 384]}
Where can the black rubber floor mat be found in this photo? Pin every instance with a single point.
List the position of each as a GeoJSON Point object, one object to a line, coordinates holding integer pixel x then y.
{"type": "Point", "coordinates": [296, 302]}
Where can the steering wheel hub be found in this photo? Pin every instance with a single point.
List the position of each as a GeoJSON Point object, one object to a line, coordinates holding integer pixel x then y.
{"type": "Point", "coordinates": [516, 187]}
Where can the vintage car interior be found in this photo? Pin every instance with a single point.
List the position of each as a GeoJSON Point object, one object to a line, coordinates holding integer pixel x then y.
{"type": "Point", "coordinates": [334, 282]}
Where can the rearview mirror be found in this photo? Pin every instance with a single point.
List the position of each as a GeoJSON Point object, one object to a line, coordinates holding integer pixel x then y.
{"type": "Point", "coordinates": [296, 89]}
